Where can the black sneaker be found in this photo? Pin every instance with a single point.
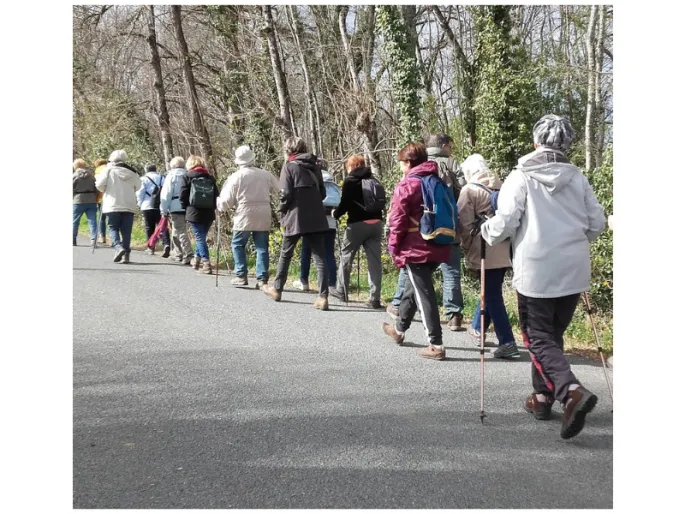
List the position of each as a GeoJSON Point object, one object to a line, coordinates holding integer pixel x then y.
{"type": "Point", "coordinates": [126, 259]}
{"type": "Point", "coordinates": [119, 255]}
{"type": "Point", "coordinates": [337, 294]}
{"type": "Point", "coordinates": [167, 251]}
{"type": "Point", "coordinates": [373, 304]}
{"type": "Point", "coordinates": [506, 351]}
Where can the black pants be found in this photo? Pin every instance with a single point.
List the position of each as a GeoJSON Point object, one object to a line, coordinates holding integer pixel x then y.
{"type": "Point", "coordinates": [316, 243]}
{"type": "Point", "coordinates": [150, 218]}
{"type": "Point", "coordinates": [543, 322]}
{"type": "Point", "coordinates": [419, 293]}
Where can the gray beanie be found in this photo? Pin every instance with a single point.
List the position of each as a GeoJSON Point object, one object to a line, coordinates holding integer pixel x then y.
{"type": "Point", "coordinates": [150, 167]}
{"type": "Point", "coordinates": [553, 131]}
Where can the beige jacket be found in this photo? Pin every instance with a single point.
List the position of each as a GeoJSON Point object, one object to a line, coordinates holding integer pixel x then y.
{"type": "Point", "coordinates": [119, 184]}
{"type": "Point", "coordinates": [248, 191]}
{"type": "Point", "coordinates": [474, 200]}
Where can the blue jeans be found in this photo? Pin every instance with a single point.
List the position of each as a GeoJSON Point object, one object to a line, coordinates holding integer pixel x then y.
{"type": "Point", "coordinates": [495, 310]}
{"type": "Point", "coordinates": [90, 210]}
{"type": "Point", "coordinates": [261, 242]}
{"type": "Point", "coordinates": [101, 224]}
{"type": "Point", "coordinates": [306, 259]}
{"type": "Point", "coordinates": [120, 223]}
{"type": "Point", "coordinates": [200, 232]}
{"type": "Point", "coordinates": [452, 299]}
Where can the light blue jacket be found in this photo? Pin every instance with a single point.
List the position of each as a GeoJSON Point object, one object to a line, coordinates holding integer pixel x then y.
{"type": "Point", "coordinates": [144, 194]}
{"type": "Point", "coordinates": [170, 201]}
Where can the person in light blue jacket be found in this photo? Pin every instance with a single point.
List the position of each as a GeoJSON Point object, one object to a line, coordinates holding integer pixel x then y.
{"type": "Point", "coordinates": [170, 205]}
{"type": "Point", "coordinates": [149, 204]}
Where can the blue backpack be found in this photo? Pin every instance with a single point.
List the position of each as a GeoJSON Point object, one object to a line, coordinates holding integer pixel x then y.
{"type": "Point", "coordinates": [494, 195]}
{"type": "Point", "coordinates": [333, 194]}
{"type": "Point", "coordinates": [440, 220]}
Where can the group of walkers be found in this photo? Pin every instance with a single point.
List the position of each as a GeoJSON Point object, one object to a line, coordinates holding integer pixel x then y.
{"type": "Point", "coordinates": [540, 221]}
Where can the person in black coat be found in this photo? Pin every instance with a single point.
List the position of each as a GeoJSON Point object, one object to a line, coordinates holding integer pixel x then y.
{"type": "Point", "coordinates": [200, 212]}
{"type": "Point", "coordinates": [302, 216]}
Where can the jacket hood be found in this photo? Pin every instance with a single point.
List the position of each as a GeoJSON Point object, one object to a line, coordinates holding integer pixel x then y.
{"type": "Point", "coordinates": [124, 171]}
{"type": "Point", "coordinates": [486, 178]}
{"type": "Point", "coordinates": [83, 172]}
{"type": "Point", "coordinates": [434, 151]}
{"type": "Point", "coordinates": [309, 158]}
{"type": "Point", "coordinates": [554, 176]}
{"type": "Point", "coordinates": [425, 168]}
{"type": "Point", "coordinates": [361, 172]}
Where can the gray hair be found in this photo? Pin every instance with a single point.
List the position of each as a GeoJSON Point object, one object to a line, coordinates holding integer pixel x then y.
{"type": "Point", "coordinates": [553, 131]}
{"type": "Point", "coordinates": [177, 162]}
{"type": "Point", "coordinates": [118, 156]}
{"type": "Point", "coordinates": [438, 140]}
{"type": "Point", "coordinates": [294, 144]}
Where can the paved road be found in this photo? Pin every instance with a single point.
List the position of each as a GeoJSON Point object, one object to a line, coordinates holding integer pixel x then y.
{"type": "Point", "coordinates": [192, 396]}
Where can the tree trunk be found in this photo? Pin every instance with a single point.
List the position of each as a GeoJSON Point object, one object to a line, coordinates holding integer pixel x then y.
{"type": "Point", "coordinates": [599, 104]}
{"type": "Point", "coordinates": [347, 49]}
{"type": "Point", "coordinates": [286, 120]}
{"type": "Point", "coordinates": [198, 125]}
{"type": "Point", "coordinates": [590, 112]}
{"type": "Point", "coordinates": [160, 95]}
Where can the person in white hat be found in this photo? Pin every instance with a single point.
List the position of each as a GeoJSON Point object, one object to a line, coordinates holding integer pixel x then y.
{"type": "Point", "coordinates": [249, 191]}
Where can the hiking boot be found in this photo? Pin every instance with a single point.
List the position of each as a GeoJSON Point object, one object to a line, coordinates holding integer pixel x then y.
{"type": "Point", "coordinates": [373, 304]}
{"type": "Point", "coordinates": [540, 410]}
{"type": "Point", "coordinates": [167, 251]}
{"type": "Point", "coordinates": [393, 311]}
{"type": "Point", "coordinates": [119, 254]}
{"type": "Point", "coordinates": [271, 291]}
{"type": "Point", "coordinates": [196, 262]}
{"type": "Point", "coordinates": [431, 352]}
{"type": "Point", "coordinates": [103, 240]}
{"type": "Point", "coordinates": [337, 294]}
{"type": "Point", "coordinates": [579, 403]}
{"type": "Point", "coordinates": [206, 268]}
{"type": "Point", "coordinates": [260, 284]}
{"type": "Point", "coordinates": [239, 281]}
{"type": "Point", "coordinates": [302, 286]}
{"type": "Point", "coordinates": [393, 333]}
{"type": "Point", "coordinates": [150, 251]}
{"type": "Point", "coordinates": [74, 242]}
{"type": "Point", "coordinates": [454, 323]}
{"type": "Point", "coordinates": [506, 351]}
{"type": "Point", "coordinates": [321, 303]}
{"type": "Point", "coordinates": [189, 261]}
{"type": "Point", "coordinates": [126, 259]}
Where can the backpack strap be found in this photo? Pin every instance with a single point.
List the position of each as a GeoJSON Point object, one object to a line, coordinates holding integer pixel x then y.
{"type": "Point", "coordinates": [416, 228]}
{"type": "Point", "coordinates": [155, 183]}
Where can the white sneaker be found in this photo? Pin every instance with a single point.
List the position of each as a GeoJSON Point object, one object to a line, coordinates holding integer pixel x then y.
{"type": "Point", "coordinates": [300, 285]}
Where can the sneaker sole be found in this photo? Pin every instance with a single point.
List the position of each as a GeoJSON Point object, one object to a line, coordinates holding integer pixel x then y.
{"type": "Point", "coordinates": [119, 256]}
{"type": "Point", "coordinates": [578, 422]}
{"type": "Point", "coordinates": [398, 343]}
{"type": "Point", "coordinates": [507, 356]}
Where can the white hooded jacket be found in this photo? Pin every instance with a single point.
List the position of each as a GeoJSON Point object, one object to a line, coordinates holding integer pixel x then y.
{"type": "Point", "coordinates": [144, 194]}
{"type": "Point", "coordinates": [249, 191]}
{"type": "Point", "coordinates": [119, 185]}
{"type": "Point", "coordinates": [548, 209]}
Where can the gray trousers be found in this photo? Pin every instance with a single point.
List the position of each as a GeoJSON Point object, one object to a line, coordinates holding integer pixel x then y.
{"type": "Point", "coordinates": [369, 236]}
{"type": "Point", "coordinates": [179, 235]}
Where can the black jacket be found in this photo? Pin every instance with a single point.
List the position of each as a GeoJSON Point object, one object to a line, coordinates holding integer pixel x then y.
{"type": "Point", "coordinates": [301, 196]}
{"type": "Point", "coordinates": [204, 216]}
{"type": "Point", "coordinates": [352, 199]}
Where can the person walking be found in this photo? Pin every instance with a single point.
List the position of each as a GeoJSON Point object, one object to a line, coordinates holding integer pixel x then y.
{"type": "Point", "coordinates": [249, 191]}
{"type": "Point", "coordinates": [170, 205]}
{"type": "Point", "coordinates": [302, 216]}
{"type": "Point", "coordinates": [410, 250]}
{"type": "Point", "coordinates": [473, 204]}
{"type": "Point", "coordinates": [84, 195]}
{"type": "Point", "coordinates": [149, 202]}
{"type": "Point", "coordinates": [98, 166]}
{"type": "Point", "coordinates": [439, 150]}
{"type": "Point", "coordinates": [549, 210]}
{"type": "Point", "coordinates": [119, 182]}
{"type": "Point", "coordinates": [364, 227]}
{"type": "Point", "coordinates": [198, 197]}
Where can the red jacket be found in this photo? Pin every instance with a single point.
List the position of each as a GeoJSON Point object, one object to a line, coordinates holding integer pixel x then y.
{"type": "Point", "coordinates": [406, 245]}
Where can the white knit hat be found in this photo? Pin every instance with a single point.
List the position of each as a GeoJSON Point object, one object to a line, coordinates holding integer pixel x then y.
{"type": "Point", "coordinates": [118, 156]}
{"type": "Point", "coordinates": [243, 155]}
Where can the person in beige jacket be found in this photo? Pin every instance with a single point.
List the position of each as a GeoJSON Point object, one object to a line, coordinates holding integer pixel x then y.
{"type": "Point", "coordinates": [249, 191]}
{"type": "Point", "coordinates": [474, 201]}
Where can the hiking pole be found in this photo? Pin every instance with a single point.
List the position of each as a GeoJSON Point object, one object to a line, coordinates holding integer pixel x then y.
{"type": "Point", "coordinates": [476, 232]}
{"type": "Point", "coordinates": [218, 234]}
{"type": "Point", "coordinates": [337, 235]}
{"type": "Point", "coordinates": [358, 259]}
{"type": "Point", "coordinates": [586, 299]}
{"type": "Point", "coordinates": [97, 230]}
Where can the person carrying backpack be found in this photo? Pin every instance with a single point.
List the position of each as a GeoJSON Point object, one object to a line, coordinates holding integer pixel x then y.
{"type": "Point", "coordinates": [149, 201]}
{"type": "Point", "coordinates": [170, 205]}
{"type": "Point", "coordinates": [332, 200]}
{"type": "Point", "coordinates": [474, 202]}
{"type": "Point", "coordinates": [548, 209]}
{"type": "Point", "coordinates": [198, 197]}
{"type": "Point", "coordinates": [419, 242]}
{"type": "Point", "coordinates": [99, 165]}
{"type": "Point", "coordinates": [84, 198]}
{"type": "Point", "coordinates": [363, 200]}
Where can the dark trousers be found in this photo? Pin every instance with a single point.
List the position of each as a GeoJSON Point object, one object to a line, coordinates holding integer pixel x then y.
{"type": "Point", "coordinates": [150, 219]}
{"type": "Point", "coordinates": [120, 228]}
{"type": "Point", "coordinates": [101, 223]}
{"type": "Point", "coordinates": [306, 259]}
{"type": "Point", "coordinates": [419, 293]}
{"type": "Point", "coordinates": [316, 243]}
{"type": "Point", "coordinates": [543, 323]}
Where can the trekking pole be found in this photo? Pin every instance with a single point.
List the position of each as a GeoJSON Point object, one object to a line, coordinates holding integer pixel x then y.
{"type": "Point", "coordinates": [97, 230]}
{"type": "Point", "coordinates": [218, 234]}
{"type": "Point", "coordinates": [337, 235]}
{"type": "Point", "coordinates": [476, 233]}
{"type": "Point", "coordinates": [586, 299]}
{"type": "Point", "coordinates": [358, 259]}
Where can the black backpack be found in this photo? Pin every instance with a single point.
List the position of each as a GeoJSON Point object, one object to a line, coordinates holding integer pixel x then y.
{"type": "Point", "coordinates": [156, 194]}
{"type": "Point", "coordinates": [202, 192]}
{"type": "Point", "coordinates": [373, 194]}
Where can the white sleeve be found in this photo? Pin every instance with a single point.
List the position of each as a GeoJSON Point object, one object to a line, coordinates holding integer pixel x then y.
{"type": "Point", "coordinates": [511, 203]}
{"type": "Point", "coordinates": [595, 213]}
{"type": "Point", "coordinates": [226, 198]}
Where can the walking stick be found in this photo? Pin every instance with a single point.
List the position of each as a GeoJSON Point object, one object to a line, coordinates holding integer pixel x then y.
{"type": "Point", "coordinates": [337, 235]}
{"type": "Point", "coordinates": [97, 230]}
{"type": "Point", "coordinates": [218, 234]}
{"type": "Point", "coordinates": [358, 258]}
{"type": "Point", "coordinates": [476, 233]}
{"type": "Point", "coordinates": [586, 299]}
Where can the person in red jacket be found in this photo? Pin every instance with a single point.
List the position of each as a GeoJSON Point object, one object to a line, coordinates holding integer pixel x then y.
{"type": "Point", "coordinates": [417, 256]}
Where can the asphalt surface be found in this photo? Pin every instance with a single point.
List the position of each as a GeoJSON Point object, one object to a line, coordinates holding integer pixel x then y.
{"type": "Point", "coordinates": [191, 396]}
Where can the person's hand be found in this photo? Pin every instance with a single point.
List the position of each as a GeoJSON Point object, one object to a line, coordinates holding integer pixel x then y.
{"type": "Point", "coordinates": [611, 222]}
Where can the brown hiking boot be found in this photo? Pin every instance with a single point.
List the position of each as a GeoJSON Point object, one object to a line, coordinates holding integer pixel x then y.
{"type": "Point", "coordinates": [540, 410]}
{"type": "Point", "coordinates": [392, 332]}
{"type": "Point", "coordinates": [431, 352]}
{"type": "Point", "coordinates": [394, 312]}
{"type": "Point", "coordinates": [579, 403]}
{"type": "Point", "coordinates": [206, 268]}
{"type": "Point", "coordinates": [321, 303]}
{"type": "Point", "coordinates": [454, 323]}
{"type": "Point", "coordinates": [271, 291]}
{"type": "Point", "coordinates": [196, 262]}
{"type": "Point", "coordinates": [239, 281]}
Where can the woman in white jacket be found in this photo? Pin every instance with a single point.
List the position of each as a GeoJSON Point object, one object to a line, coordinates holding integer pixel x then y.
{"type": "Point", "coordinates": [548, 209]}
